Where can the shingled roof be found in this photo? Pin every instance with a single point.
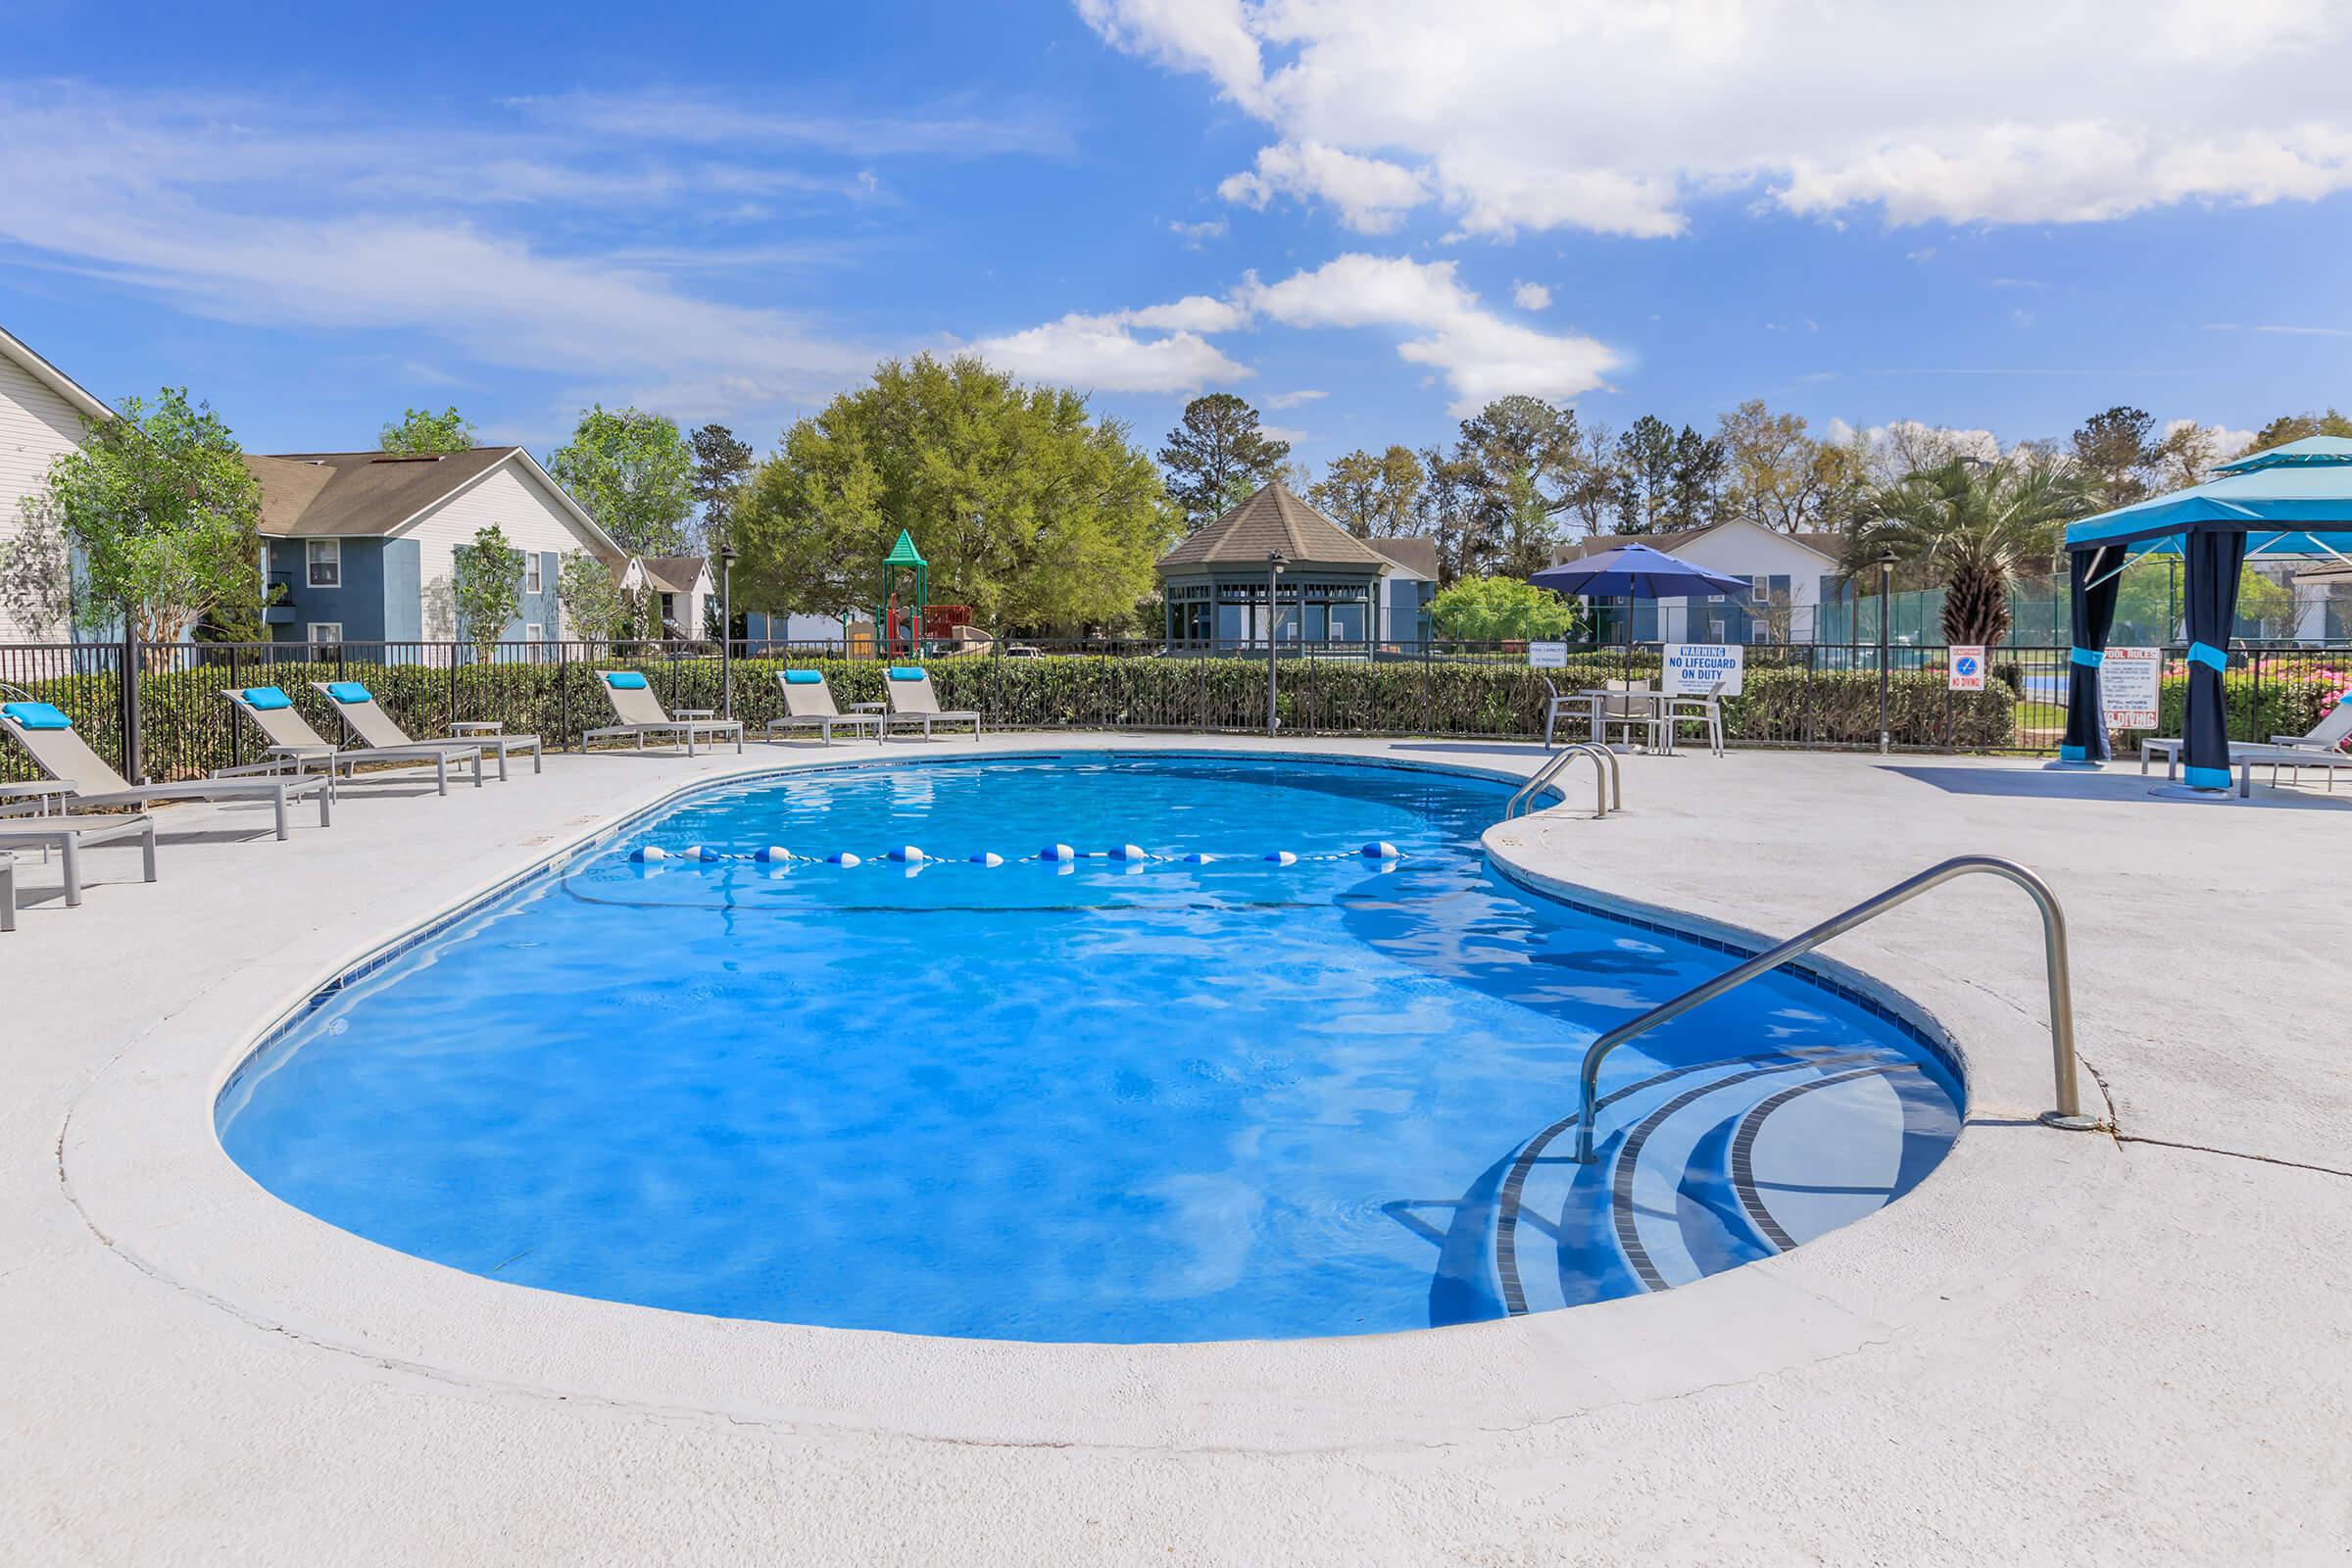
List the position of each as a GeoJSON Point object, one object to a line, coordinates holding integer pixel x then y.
{"type": "Point", "coordinates": [372, 495]}
{"type": "Point", "coordinates": [1273, 518]}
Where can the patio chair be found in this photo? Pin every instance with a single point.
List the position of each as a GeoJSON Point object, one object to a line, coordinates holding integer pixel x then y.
{"type": "Point", "coordinates": [49, 735]}
{"type": "Point", "coordinates": [1557, 703]}
{"type": "Point", "coordinates": [1696, 708]}
{"type": "Point", "coordinates": [296, 747]}
{"type": "Point", "coordinates": [358, 707]}
{"type": "Point", "coordinates": [2328, 735]}
{"type": "Point", "coordinates": [809, 705]}
{"type": "Point", "coordinates": [912, 701]}
{"type": "Point", "coordinates": [641, 714]}
{"type": "Point", "coordinates": [67, 837]}
{"type": "Point", "coordinates": [1630, 706]}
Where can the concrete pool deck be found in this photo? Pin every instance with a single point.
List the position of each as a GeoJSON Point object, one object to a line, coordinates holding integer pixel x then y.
{"type": "Point", "coordinates": [2062, 1346]}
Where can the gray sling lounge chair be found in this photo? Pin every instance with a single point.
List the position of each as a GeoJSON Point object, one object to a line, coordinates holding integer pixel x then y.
{"type": "Point", "coordinates": [65, 755]}
{"type": "Point", "coordinates": [296, 747]}
{"type": "Point", "coordinates": [641, 714]}
{"type": "Point", "coordinates": [358, 707]}
{"type": "Point", "coordinates": [809, 705]}
{"type": "Point", "coordinates": [913, 702]}
{"type": "Point", "coordinates": [66, 836]}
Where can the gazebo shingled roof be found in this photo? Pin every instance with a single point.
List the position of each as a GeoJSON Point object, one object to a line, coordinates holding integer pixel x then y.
{"type": "Point", "coordinates": [1273, 518]}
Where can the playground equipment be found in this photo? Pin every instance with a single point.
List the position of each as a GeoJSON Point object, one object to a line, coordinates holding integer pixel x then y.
{"type": "Point", "coordinates": [908, 622]}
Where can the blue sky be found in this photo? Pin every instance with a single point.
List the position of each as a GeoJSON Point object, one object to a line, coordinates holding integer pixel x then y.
{"type": "Point", "coordinates": [1362, 219]}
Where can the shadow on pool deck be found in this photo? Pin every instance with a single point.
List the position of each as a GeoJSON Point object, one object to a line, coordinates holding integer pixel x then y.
{"type": "Point", "coordinates": [2106, 787]}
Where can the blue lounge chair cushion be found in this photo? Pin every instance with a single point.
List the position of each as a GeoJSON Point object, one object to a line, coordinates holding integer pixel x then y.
{"type": "Point", "coordinates": [266, 698]}
{"type": "Point", "coordinates": [625, 681]}
{"type": "Point", "coordinates": [906, 672]}
{"type": "Point", "coordinates": [804, 677]}
{"type": "Point", "coordinates": [36, 716]}
{"type": "Point", "coordinates": [348, 691]}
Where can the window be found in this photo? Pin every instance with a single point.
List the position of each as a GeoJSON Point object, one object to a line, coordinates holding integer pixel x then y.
{"type": "Point", "coordinates": [325, 633]}
{"type": "Point", "coordinates": [533, 632]}
{"type": "Point", "coordinates": [325, 561]}
{"type": "Point", "coordinates": [532, 579]}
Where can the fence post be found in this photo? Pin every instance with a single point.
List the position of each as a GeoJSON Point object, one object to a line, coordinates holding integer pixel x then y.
{"type": "Point", "coordinates": [563, 695]}
{"type": "Point", "coordinates": [134, 763]}
{"type": "Point", "coordinates": [236, 731]}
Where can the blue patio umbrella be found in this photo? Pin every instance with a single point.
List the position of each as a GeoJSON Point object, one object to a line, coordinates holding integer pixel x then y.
{"type": "Point", "coordinates": [1634, 572]}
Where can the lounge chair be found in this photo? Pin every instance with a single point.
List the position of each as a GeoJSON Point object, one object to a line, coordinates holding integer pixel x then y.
{"type": "Point", "coordinates": [809, 705]}
{"type": "Point", "coordinates": [296, 747]}
{"type": "Point", "coordinates": [912, 701]}
{"type": "Point", "coordinates": [62, 754]}
{"type": "Point", "coordinates": [67, 837]}
{"type": "Point", "coordinates": [641, 714]}
{"type": "Point", "coordinates": [2328, 735]}
{"type": "Point", "coordinates": [356, 707]}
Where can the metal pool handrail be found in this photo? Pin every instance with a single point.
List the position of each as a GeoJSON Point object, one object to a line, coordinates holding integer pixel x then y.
{"type": "Point", "coordinates": [2069, 1113]}
{"type": "Point", "coordinates": [1604, 784]}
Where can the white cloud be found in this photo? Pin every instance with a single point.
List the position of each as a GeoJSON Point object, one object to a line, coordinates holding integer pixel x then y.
{"type": "Point", "coordinates": [1530, 296]}
{"type": "Point", "coordinates": [1196, 235]}
{"type": "Point", "coordinates": [2279, 330]}
{"type": "Point", "coordinates": [1292, 400]}
{"type": "Point", "coordinates": [2226, 443]}
{"type": "Point", "coordinates": [1195, 313]}
{"type": "Point", "coordinates": [1480, 356]}
{"type": "Point", "coordinates": [1603, 116]}
{"type": "Point", "coordinates": [1372, 196]}
{"type": "Point", "coordinates": [1104, 354]}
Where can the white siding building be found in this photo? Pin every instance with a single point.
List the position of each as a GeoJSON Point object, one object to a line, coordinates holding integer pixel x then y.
{"type": "Point", "coordinates": [1790, 578]}
{"type": "Point", "coordinates": [42, 416]}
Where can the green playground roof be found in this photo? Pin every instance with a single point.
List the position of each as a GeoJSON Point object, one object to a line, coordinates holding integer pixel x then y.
{"type": "Point", "coordinates": [904, 553]}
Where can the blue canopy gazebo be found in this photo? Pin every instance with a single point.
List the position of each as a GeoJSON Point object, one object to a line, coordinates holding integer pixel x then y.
{"type": "Point", "coordinates": [2293, 500]}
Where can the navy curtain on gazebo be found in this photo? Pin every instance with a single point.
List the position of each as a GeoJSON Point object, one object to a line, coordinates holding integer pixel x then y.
{"type": "Point", "coordinates": [2098, 579]}
{"type": "Point", "coordinates": [2215, 560]}
{"type": "Point", "coordinates": [2291, 499]}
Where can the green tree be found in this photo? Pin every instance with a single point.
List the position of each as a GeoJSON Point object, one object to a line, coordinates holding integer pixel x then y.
{"type": "Point", "coordinates": [1779, 476]}
{"type": "Point", "coordinates": [1443, 510]}
{"type": "Point", "coordinates": [2114, 450]}
{"type": "Point", "coordinates": [422, 430]}
{"type": "Point", "coordinates": [1217, 455]}
{"type": "Point", "coordinates": [1519, 453]}
{"type": "Point", "coordinates": [634, 473]}
{"type": "Point", "coordinates": [1031, 511]}
{"type": "Point", "coordinates": [1372, 498]}
{"type": "Point", "coordinates": [486, 588]}
{"type": "Point", "coordinates": [722, 466]}
{"type": "Point", "coordinates": [1501, 609]}
{"type": "Point", "coordinates": [1695, 484]}
{"type": "Point", "coordinates": [2182, 457]}
{"type": "Point", "coordinates": [2295, 426]}
{"type": "Point", "coordinates": [594, 607]}
{"type": "Point", "coordinates": [1645, 477]}
{"type": "Point", "coordinates": [1971, 527]}
{"type": "Point", "coordinates": [163, 514]}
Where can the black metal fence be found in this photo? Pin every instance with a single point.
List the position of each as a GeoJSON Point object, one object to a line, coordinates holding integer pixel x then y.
{"type": "Point", "coordinates": [173, 721]}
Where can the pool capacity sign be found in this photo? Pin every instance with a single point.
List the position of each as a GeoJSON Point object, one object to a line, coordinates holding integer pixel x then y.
{"type": "Point", "coordinates": [1968, 670]}
{"type": "Point", "coordinates": [1697, 666]}
{"type": "Point", "coordinates": [2128, 687]}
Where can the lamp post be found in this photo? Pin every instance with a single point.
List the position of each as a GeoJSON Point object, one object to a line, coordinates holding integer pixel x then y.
{"type": "Point", "coordinates": [1885, 588]}
{"type": "Point", "coordinates": [726, 629]}
{"type": "Point", "coordinates": [1275, 561]}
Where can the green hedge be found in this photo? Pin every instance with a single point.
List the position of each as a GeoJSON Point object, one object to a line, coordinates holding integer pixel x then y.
{"type": "Point", "coordinates": [188, 729]}
{"type": "Point", "coordinates": [2257, 709]}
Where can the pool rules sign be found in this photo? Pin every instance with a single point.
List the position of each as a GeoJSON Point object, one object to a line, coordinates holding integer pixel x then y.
{"type": "Point", "coordinates": [1968, 670]}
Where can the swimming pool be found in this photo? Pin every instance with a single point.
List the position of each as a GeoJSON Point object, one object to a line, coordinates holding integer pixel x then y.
{"type": "Point", "coordinates": [1148, 1099]}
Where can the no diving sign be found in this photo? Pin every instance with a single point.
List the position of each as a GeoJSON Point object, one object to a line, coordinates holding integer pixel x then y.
{"type": "Point", "coordinates": [1968, 670]}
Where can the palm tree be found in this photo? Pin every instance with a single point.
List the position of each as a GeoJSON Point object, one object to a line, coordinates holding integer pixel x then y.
{"type": "Point", "coordinates": [1974, 525]}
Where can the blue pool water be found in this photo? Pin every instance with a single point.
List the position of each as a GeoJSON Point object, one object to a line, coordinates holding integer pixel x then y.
{"type": "Point", "coordinates": [1098, 1101]}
